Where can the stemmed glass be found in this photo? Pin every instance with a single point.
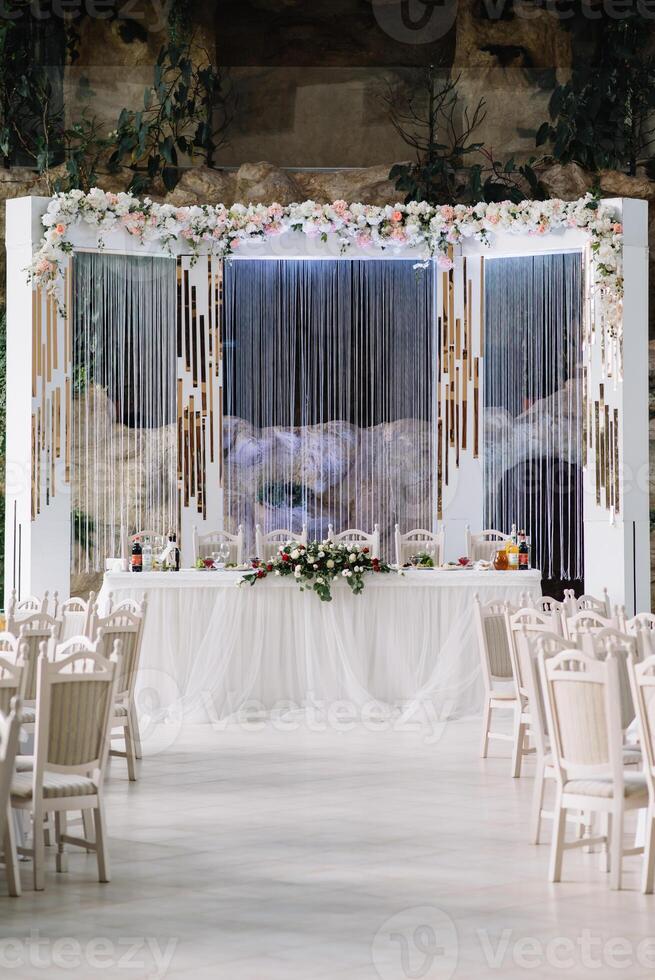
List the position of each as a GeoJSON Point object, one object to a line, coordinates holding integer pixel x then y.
{"type": "Point", "coordinates": [223, 553]}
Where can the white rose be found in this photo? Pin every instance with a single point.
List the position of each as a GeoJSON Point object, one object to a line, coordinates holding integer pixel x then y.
{"type": "Point", "coordinates": [299, 568]}
{"type": "Point", "coordinates": [352, 557]}
{"type": "Point", "coordinates": [296, 574]}
{"type": "Point", "coordinates": [330, 563]}
{"type": "Point", "coordinates": [321, 554]}
{"type": "Point", "coordinates": [295, 554]}
{"type": "Point", "coordinates": [315, 566]}
{"type": "Point", "coordinates": [345, 573]}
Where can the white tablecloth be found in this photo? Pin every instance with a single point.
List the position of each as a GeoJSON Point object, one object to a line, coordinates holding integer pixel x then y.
{"type": "Point", "coordinates": [211, 650]}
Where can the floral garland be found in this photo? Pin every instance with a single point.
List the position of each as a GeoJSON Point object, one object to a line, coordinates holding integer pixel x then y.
{"type": "Point", "coordinates": [317, 565]}
{"type": "Point", "coordinates": [432, 230]}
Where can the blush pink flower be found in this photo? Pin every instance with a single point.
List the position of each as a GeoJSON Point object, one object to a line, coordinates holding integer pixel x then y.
{"type": "Point", "coordinates": [235, 243]}
{"type": "Point", "coordinates": [447, 212]}
{"type": "Point", "coordinates": [60, 229]}
{"type": "Point", "coordinates": [617, 228]}
{"type": "Point", "coordinates": [443, 262]}
{"type": "Point", "coordinates": [397, 216]}
{"type": "Point", "coordinates": [363, 239]}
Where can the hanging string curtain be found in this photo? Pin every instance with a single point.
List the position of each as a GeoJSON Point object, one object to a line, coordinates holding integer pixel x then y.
{"type": "Point", "coordinates": [328, 395]}
{"type": "Point", "coordinates": [123, 433]}
{"type": "Point", "coordinates": [533, 406]}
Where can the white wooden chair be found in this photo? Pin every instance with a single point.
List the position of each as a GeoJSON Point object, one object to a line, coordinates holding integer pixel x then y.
{"type": "Point", "coordinates": [28, 608]}
{"type": "Point", "coordinates": [124, 624]}
{"type": "Point", "coordinates": [584, 720]}
{"type": "Point", "coordinates": [34, 631]}
{"type": "Point", "coordinates": [205, 544]}
{"type": "Point", "coordinates": [126, 605]}
{"type": "Point", "coordinates": [529, 645]}
{"type": "Point", "coordinates": [587, 602]}
{"type": "Point", "coordinates": [546, 604]}
{"type": "Point", "coordinates": [587, 621]}
{"type": "Point", "coordinates": [268, 545]}
{"type": "Point", "coordinates": [75, 701]}
{"type": "Point", "coordinates": [643, 627]}
{"type": "Point", "coordinates": [642, 682]}
{"type": "Point", "coordinates": [497, 672]}
{"type": "Point", "coordinates": [417, 541]}
{"type": "Point", "coordinates": [9, 736]}
{"type": "Point", "coordinates": [75, 615]}
{"type": "Point", "coordinates": [353, 536]}
{"type": "Point", "coordinates": [531, 621]}
{"type": "Point", "coordinates": [483, 546]}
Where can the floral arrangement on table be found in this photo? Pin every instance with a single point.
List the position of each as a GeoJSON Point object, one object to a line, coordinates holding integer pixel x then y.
{"type": "Point", "coordinates": [432, 230]}
{"type": "Point", "coordinates": [316, 566]}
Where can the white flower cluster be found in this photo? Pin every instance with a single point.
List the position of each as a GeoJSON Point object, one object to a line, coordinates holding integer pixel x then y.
{"type": "Point", "coordinates": [427, 229]}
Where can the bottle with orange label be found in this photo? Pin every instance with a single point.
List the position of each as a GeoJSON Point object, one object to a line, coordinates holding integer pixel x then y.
{"type": "Point", "coordinates": [524, 552]}
{"type": "Point", "coordinates": [136, 564]}
{"type": "Point", "coordinates": [512, 549]}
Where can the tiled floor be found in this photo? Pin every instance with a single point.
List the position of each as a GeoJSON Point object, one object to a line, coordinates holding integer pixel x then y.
{"type": "Point", "coordinates": [273, 855]}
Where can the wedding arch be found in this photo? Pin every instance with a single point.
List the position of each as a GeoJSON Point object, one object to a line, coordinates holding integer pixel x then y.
{"type": "Point", "coordinates": [60, 249]}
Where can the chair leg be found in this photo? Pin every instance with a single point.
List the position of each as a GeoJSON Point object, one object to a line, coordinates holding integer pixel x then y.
{"type": "Point", "coordinates": [38, 850]}
{"type": "Point", "coordinates": [101, 844]}
{"type": "Point", "coordinates": [486, 725]}
{"type": "Point", "coordinates": [61, 860]}
{"type": "Point", "coordinates": [517, 749]}
{"type": "Point", "coordinates": [616, 847]}
{"type": "Point", "coordinates": [649, 854]}
{"type": "Point", "coordinates": [537, 801]}
{"type": "Point", "coordinates": [557, 848]}
{"type": "Point", "coordinates": [87, 824]}
{"type": "Point", "coordinates": [129, 752]}
{"type": "Point", "coordinates": [134, 730]}
{"type": "Point", "coordinates": [11, 857]}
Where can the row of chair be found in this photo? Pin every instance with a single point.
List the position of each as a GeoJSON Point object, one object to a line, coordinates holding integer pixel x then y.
{"type": "Point", "coordinates": [476, 546]}
{"type": "Point", "coordinates": [76, 696]}
{"type": "Point", "coordinates": [576, 680]}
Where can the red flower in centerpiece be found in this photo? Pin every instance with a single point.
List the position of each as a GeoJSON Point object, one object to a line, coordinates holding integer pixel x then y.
{"type": "Point", "coordinates": [208, 562]}
{"type": "Point", "coordinates": [261, 573]}
{"type": "Point", "coordinates": [364, 551]}
{"type": "Point", "coordinates": [269, 568]}
{"type": "Point", "coordinates": [286, 557]}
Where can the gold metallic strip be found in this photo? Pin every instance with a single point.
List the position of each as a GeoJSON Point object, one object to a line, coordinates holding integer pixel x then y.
{"type": "Point", "coordinates": [469, 286]}
{"type": "Point", "coordinates": [192, 447]}
{"type": "Point", "coordinates": [180, 428]}
{"type": "Point", "coordinates": [606, 456]}
{"type": "Point", "coordinates": [465, 375]}
{"type": "Point", "coordinates": [597, 448]}
{"type": "Point", "coordinates": [476, 407]}
{"type": "Point", "coordinates": [617, 496]}
{"type": "Point", "coordinates": [67, 457]}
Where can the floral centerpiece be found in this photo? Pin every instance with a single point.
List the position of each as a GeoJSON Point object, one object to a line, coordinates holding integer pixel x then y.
{"type": "Point", "coordinates": [316, 566]}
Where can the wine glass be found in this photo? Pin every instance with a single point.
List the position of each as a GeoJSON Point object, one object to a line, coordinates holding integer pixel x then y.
{"type": "Point", "coordinates": [223, 553]}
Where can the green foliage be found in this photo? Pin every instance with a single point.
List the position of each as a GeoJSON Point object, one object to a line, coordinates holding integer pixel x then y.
{"type": "Point", "coordinates": [185, 115]}
{"type": "Point", "coordinates": [451, 165]}
{"type": "Point", "coordinates": [600, 117]}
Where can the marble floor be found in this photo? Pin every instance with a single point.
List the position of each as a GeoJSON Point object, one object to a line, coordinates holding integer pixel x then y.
{"type": "Point", "coordinates": [355, 855]}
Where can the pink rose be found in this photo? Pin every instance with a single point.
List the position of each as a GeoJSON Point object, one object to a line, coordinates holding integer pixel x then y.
{"type": "Point", "coordinates": [60, 229]}
{"type": "Point", "coordinates": [447, 212]}
{"type": "Point", "coordinates": [235, 243]}
{"type": "Point", "coordinates": [617, 228]}
{"type": "Point", "coordinates": [443, 262]}
{"type": "Point", "coordinates": [397, 216]}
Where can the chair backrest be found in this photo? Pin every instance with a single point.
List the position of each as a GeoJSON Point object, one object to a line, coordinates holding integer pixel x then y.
{"type": "Point", "coordinates": [268, 545]}
{"type": "Point", "coordinates": [126, 605]}
{"type": "Point", "coordinates": [527, 620]}
{"type": "Point", "coordinates": [19, 610]}
{"type": "Point", "coordinates": [493, 645]}
{"type": "Point", "coordinates": [125, 625]}
{"type": "Point", "coordinates": [544, 603]}
{"type": "Point", "coordinates": [598, 644]}
{"type": "Point", "coordinates": [587, 621]}
{"type": "Point", "coordinates": [75, 616]}
{"type": "Point", "coordinates": [34, 631]}
{"type": "Point", "coordinates": [528, 646]}
{"type": "Point", "coordinates": [642, 683]}
{"type": "Point", "coordinates": [584, 717]}
{"type": "Point", "coordinates": [417, 541]}
{"type": "Point", "coordinates": [75, 697]}
{"type": "Point", "coordinates": [643, 627]}
{"type": "Point", "coordinates": [483, 546]}
{"type": "Point", "coordinates": [205, 544]}
{"type": "Point", "coordinates": [587, 602]}
{"type": "Point", "coordinates": [9, 735]}
{"type": "Point", "coordinates": [12, 670]}
{"type": "Point", "coordinates": [353, 535]}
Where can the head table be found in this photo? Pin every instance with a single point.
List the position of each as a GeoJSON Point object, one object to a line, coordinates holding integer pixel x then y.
{"type": "Point", "coordinates": [211, 650]}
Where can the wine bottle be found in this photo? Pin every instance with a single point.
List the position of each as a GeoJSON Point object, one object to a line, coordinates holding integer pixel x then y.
{"type": "Point", "coordinates": [173, 552]}
{"type": "Point", "coordinates": [524, 552]}
{"type": "Point", "coordinates": [136, 564]}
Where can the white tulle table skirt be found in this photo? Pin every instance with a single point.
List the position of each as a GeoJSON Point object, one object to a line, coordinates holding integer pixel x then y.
{"type": "Point", "coordinates": [212, 651]}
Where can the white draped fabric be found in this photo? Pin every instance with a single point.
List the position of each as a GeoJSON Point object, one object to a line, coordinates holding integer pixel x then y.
{"type": "Point", "coordinates": [213, 651]}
